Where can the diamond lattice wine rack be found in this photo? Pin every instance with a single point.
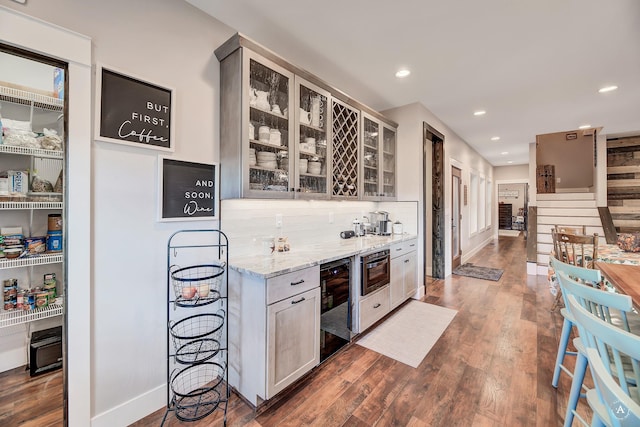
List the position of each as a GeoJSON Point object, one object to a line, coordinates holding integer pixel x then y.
{"type": "Point", "coordinates": [345, 150]}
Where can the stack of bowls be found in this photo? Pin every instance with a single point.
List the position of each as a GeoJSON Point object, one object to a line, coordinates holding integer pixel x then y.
{"type": "Point", "coordinates": [252, 157]}
{"type": "Point", "coordinates": [315, 167]}
{"type": "Point", "coordinates": [302, 165]}
{"type": "Point", "coordinates": [267, 159]}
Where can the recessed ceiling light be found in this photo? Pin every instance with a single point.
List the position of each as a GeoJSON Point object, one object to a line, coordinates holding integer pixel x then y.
{"type": "Point", "coordinates": [607, 89]}
{"type": "Point", "coordinates": [504, 153]}
{"type": "Point", "coordinates": [495, 138]}
{"type": "Point", "coordinates": [479, 113]}
{"type": "Point", "coordinates": [509, 162]}
{"type": "Point", "coordinates": [402, 73]}
{"type": "Point", "coordinates": [584, 127]}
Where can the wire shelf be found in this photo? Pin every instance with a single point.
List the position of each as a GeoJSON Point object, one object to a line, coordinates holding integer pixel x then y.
{"type": "Point", "coordinates": [197, 338]}
{"type": "Point", "coordinates": [198, 390]}
{"type": "Point", "coordinates": [197, 377]}
{"type": "Point", "coordinates": [31, 260]}
{"type": "Point", "coordinates": [197, 285]}
{"type": "Point", "coordinates": [18, 317]}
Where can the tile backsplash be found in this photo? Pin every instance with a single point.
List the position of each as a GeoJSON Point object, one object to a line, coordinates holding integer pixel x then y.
{"type": "Point", "coordinates": [248, 221]}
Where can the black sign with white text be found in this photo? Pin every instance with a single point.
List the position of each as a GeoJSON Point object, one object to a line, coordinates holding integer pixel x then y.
{"type": "Point", "coordinates": [188, 190]}
{"type": "Point", "coordinates": [134, 111]}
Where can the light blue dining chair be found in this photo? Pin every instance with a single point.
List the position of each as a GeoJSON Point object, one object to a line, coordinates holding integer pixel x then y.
{"type": "Point", "coordinates": [602, 304]}
{"type": "Point", "coordinates": [611, 399]}
{"type": "Point", "coordinates": [611, 346]}
{"type": "Point", "coordinates": [588, 276]}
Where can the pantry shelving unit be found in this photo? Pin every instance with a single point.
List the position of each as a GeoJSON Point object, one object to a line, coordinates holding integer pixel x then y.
{"type": "Point", "coordinates": [197, 325]}
{"type": "Point", "coordinates": [40, 111]}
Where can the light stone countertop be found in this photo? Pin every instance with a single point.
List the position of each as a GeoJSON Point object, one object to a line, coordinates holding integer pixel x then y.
{"type": "Point", "coordinates": [267, 266]}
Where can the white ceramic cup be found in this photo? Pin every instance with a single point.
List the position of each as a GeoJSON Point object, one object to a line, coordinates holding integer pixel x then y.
{"type": "Point", "coordinates": [305, 117]}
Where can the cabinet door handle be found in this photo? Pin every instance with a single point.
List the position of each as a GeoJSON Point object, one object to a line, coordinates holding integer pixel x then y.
{"type": "Point", "coordinates": [297, 302]}
{"type": "Point", "coordinates": [412, 245]}
{"type": "Point", "coordinates": [398, 249]}
{"type": "Point", "coordinates": [377, 305]}
{"type": "Point", "coordinates": [300, 282]}
{"type": "Point", "coordinates": [406, 260]}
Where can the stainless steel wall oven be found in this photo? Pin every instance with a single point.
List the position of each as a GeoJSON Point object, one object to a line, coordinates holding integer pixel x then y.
{"type": "Point", "coordinates": [376, 269]}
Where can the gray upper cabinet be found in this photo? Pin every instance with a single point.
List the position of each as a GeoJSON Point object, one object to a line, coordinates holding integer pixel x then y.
{"type": "Point", "coordinates": [313, 134]}
{"type": "Point", "coordinates": [284, 133]}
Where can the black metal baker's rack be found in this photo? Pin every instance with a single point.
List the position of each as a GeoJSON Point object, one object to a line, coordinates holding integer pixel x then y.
{"type": "Point", "coordinates": [197, 326]}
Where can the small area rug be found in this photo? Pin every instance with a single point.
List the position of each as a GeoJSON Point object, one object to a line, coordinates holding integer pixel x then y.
{"type": "Point", "coordinates": [510, 233]}
{"type": "Point", "coordinates": [477, 272]}
{"type": "Point", "coordinates": [408, 335]}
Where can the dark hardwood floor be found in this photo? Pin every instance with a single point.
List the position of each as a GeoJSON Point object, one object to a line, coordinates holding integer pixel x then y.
{"type": "Point", "coordinates": [491, 367]}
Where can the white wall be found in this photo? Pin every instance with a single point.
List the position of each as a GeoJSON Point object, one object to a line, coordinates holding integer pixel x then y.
{"type": "Point", "coordinates": [410, 119]}
{"type": "Point", "coordinates": [513, 173]}
{"type": "Point", "coordinates": [169, 43]}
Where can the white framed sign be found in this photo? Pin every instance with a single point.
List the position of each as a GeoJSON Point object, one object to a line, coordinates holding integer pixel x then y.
{"type": "Point", "coordinates": [133, 111]}
{"type": "Point", "coordinates": [188, 190]}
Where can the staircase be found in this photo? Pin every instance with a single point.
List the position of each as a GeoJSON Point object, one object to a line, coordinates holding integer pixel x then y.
{"type": "Point", "coordinates": [569, 209]}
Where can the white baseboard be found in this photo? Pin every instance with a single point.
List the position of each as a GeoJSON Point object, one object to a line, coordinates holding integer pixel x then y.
{"type": "Point", "coordinates": [543, 270]}
{"type": "Point", "coordinates": [132, 410]}
{"type": "Point", "coordinates": [13, 358]}
{"type": "Point", "coordinates": [535, 269]}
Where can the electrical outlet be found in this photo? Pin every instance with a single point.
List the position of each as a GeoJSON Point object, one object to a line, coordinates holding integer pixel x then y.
{"type": "Point", "coordinates": [278, 220]}
{"type": "Point", "coordinates": [330, 217]}
{"type": "Point", "coordinates": [558, 180]}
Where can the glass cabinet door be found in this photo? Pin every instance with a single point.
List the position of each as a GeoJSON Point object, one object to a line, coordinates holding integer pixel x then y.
{"type": "Point", "coordinates": [269, 162]}
{"type": "Point", "coordinates": [311, 163]}
{"type": "Point", "coordinates": [370, 158]}
{"type": "Point", "coordinates": [388, 163]}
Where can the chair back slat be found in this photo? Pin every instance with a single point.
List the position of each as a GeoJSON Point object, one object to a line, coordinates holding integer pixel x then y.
{"type": "Point", "coordinates": [571, 230]}
{"type": "Point", "coordinates": [577, 249]}
{"type": "Point", "coordinates": [619, 406]}
{"type": "Point", "coordinates": [608, 339]}
{"type": "Point", "coordinates": [586, 275]}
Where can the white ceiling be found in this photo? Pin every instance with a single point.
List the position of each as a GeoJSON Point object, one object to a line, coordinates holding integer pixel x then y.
{"type": "Point", "coordinates": [534, 66]}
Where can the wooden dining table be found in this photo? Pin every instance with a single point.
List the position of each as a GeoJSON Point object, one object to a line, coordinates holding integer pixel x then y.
{"type": "Point", "coordinates": [625, 278]}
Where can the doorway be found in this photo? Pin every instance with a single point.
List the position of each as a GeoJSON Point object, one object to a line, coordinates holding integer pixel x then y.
{"type": "Point", "coordinates": [513, 204]}
{"type": "Point", "coordinates": [433, 200]}
{"type": "Point", "coordinates": [33, 94]}
{"type": "Point", "coordinates": [456, 216]}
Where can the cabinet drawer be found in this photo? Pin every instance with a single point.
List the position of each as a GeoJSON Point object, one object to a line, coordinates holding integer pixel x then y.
{"type": "Point", "coordinates": [290, 284]}
{"type": "Point", "coordinates": [401, 248]}
{"type": "Point", "coordinates": [374, 307]}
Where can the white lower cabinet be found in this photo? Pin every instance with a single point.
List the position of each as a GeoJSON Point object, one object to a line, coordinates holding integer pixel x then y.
{"type": "Point", "coordinates": [374, 307]}
{"type": "Point", "coordinates": [274, 330]}
{"type": "Point", "coordinates": [403, 272]}
{"type": "Point", "coordinates": [293, 339]}
{"type": "Point", "coordinates": [409, 274]}
{"type": "Point", "coordinates": [397, 282]}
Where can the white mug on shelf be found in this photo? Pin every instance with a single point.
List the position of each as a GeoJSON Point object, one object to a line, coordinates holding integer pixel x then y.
{"type": "Point", "coordinates": [305, 117]}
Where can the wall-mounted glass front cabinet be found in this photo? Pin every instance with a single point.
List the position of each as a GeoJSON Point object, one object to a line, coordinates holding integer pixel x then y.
{"type": "Point", "coordinates": [388, 179]}
{"type": "Point", "coordinates": [286, 134]}
{"type": "Point", "coordinates": [312, 160]}
{"type": "Point", "coordinates": [269, 127]}
{"type": "Point", "coordinates": [378, 160]}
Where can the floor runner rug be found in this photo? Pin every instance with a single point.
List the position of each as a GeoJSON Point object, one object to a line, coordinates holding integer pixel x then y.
{"type": "Point", "coordinates": [409, 334]}
{"type": "Point", "coordinates": [510, 233]}
{"type": "Point", "coordinates": [478, 272]}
